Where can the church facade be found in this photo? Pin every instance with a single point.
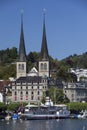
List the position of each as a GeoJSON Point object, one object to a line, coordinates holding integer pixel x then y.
{"type": "Point", "coordinates": [31, 86]}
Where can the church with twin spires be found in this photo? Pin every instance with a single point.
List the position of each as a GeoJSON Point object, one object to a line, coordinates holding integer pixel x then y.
{"type": "Point", "coordinates": [30, 86]}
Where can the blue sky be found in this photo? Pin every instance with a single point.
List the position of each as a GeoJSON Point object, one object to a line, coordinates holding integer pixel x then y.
{"type": "Point", "coordinates": [66, 25]}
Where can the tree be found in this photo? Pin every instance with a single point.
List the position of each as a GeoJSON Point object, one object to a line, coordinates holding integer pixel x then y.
{"type": "Point", "coordinates": [62, 73]}
{"type": "Point", "coordinates": [76, 107]}
{"type": "Point", "coordinates": [13, 106]}
{"type": "Point", "coordinates": [57, 95]}
{"type": "Point", "coordinates": [43, 97]}
{"type": "Point", "coordinates": [3, 107]}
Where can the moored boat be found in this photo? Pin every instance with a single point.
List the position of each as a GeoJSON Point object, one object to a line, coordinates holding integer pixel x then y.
{"type": "Point", "coordinates": [46, 112]}
{"type": "Point", "coordinates": [15, 116]}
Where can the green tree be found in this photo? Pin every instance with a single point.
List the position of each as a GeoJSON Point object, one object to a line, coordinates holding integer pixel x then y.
{"type": "Point", "coordinates": [13, 106]}
{"type": "Point", "coordinates": [76, 107]}
{"type": "Point", "coordinates": [3, 106]}
{"type": "Point", "coordinates": [57, 95]}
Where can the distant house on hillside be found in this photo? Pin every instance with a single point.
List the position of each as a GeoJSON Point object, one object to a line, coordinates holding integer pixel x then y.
{"type": "Point", "coordinates": [4, 89]}
{"type": "Point", "coordinates": [79, 72]}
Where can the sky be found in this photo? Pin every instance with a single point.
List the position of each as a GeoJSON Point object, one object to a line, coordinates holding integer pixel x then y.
{"type": "Point", "coordinates": [66, 25]}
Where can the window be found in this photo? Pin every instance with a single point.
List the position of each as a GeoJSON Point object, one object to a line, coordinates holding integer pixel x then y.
{"type": "Point", "coordinates": [45, 66]}
{"type": "Point", "coordinates": [15, 93]}
{"type": "Point", "coordinates": [32, 92]}
{"type": "Point", "coordinates": [21, 93]}
{"type": "Point", "coordinates": [38, 93]}
{"type": "Point", "coordinates": [21, 98]}
{"type": "Point", "coordinates": [41, 66]}
{"type": "Point", "coordinates": [21, 66]}
{"type": "Point", "coordinates": [32, 97]}
{"type": "Point", "coordinates": [26, 97]}
{"type": "Point", "coordinates": [26, 93]}
{"type": "Point", "coordinates": [38, 98]}
{"type": "Point", "coordinates": [72, 95]}
{"type": "Point", "coordinates": [15, 97]}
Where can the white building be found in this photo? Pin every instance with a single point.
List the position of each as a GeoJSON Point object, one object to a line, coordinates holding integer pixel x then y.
{"type": "Point", "coordinates": [75, 92]}
{"type": "Point", "coordinates": [1, 97]}
{"type": "Point", "coordinates": [79, 72]}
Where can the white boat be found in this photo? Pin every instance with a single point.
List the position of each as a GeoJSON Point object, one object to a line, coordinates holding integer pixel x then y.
{"type": "Point", "coordinates": [46, 112]}
{"type": "Point", "coordinates": [83, 114]}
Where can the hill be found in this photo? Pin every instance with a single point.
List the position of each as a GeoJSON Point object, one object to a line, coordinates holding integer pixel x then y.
{"type": "Point", "coordinates": [76, 60]}
{"type": "Point", "coordinates": [58, 68]}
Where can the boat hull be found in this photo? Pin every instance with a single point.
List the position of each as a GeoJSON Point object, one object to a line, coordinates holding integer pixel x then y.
{"type": "Point", "coordinates": [42, 117]}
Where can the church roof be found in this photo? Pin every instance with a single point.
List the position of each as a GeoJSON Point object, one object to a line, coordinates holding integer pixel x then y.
{"type": "Point", "coordinates": [33, 72]}
{"type": "Point", "coordinates": [22, 51]}
{"type": "Point", "coordinates": [44, 48]}
{"type": "Point", "coordinates": [30, 79]}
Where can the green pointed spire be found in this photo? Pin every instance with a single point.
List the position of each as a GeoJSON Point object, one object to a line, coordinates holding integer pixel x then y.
{"type": "Point", "coordinates": [22, 51]}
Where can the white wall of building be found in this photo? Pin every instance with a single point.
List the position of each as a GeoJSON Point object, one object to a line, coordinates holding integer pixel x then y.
{"type": "Point", "coordinates": [1, 97]}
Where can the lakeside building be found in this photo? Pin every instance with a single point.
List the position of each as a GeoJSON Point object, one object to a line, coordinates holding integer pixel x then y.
{"type": "Point", "coordinates": [30, 86]}
{"type": "Point", "coordinates": [5, 91]}
{"type": "Point", "coordinates": [75, 91]}
{"type": "Point", "coordinates": [1, 97]}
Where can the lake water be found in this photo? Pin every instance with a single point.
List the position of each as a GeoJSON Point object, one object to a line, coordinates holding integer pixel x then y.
{"type": "Point", "coordinates": [61, 124]}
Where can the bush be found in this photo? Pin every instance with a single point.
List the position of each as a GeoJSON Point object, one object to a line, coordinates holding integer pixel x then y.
{"type": "Point", "coordinates": [76, 107]}
{"type": "Point", "coordinates": [3, 106]}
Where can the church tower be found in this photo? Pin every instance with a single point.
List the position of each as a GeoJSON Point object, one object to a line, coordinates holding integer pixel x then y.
{"type": "Point", "coordinates": [44, 56]}
{"type": "Point", "coordinates": [21, 64]}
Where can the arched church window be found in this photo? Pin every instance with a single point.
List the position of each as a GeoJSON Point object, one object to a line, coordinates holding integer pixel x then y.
{"type": "Point", "coordinates": [19, 66]}
{"type": "Point", "coordinates": [45, 66]}
{"type": "Point", "coordinates": [22, 67]}
{"type": "Point", "coordinates": [42, 66]}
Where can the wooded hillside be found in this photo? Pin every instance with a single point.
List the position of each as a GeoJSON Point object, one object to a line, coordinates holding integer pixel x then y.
{"type": "Point", "coordinates": [59, 69]}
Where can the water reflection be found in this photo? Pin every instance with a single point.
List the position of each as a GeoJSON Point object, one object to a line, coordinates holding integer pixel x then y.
{"type": "Point", "coordinates": [65, 124]}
